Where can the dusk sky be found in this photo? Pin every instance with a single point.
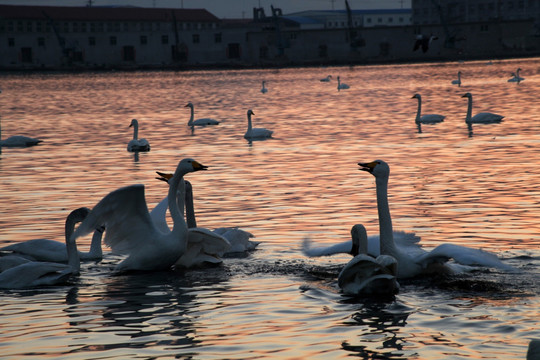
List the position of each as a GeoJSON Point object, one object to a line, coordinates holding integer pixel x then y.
{"type": "Point", "coordinates": [229, 8]}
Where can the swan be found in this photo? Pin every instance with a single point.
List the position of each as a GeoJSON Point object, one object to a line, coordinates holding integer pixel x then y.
{"type": "Point", "coordinates": [367, 275]}
{"type": "Point", "coordinates": [458, 81]}
{"type": "Point", "coordinates": [136, 144]}
{"type": "Point", "coordinates": [55, 251]}
{"type": "Point", "coordinates": [264, 90]}
{"type": "Point", "coordinates": [130, 229]}
{"type": "Point", "coordinates": [238, 240]}
{"type": "Point", "coordinates": [341, 86]}
{"type": "Point", "coordinates": [199, 122]}
{"type": "Point", "coordinates": [480, 118]}
{"type": "Point", "coordinates": [326, 79]}
{"type": "Point", "coordinates": [29, 273]}
{"type": "Point", "coordinates": [256, 133]}
{"type": "Point", "coordinates": [515, 77]}
{"type": "Point", "coordinates": [425, 119]}
{"type": "Point", "coordinates": [414, 260]}
{"type": "Point", "coordinates": [18, 140]}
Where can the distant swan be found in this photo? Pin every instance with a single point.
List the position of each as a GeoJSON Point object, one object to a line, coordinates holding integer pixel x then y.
{"type": "Point", "coordinates": [137, 144]}
{"type": "Point", "coordinates": [515, 77]}
{"type": "Point", "coordinates": [326, 79]}
{"type": "Point", "coordinates": [415, 260]}
{"type": "Point", "coordinates": [264, 90]}
{"type": "Point", "coordinates": [458, 81]}
{"type": "Point", "coordinates": [425, 119]}
{"type": "Point", "coordinates": [130, 229]}
{"type": "Point", "coordinates": [238, 239]}
{"type": "Point", "coordinates": [256, 133]}
{"type": "Point", "coordinates": [18, 140]}
{"type": "Point", "coordinates": [37, 273]}
{"type": "Point", "coordinates": [480, 118]}
{"type": "Point", "coordinates": [341, 86]}
{"type": "Point", "coordinates": [367, 275]}
{"type": "Point", "coordinates": [199, 122]}
{"type": "Point", "coordinates": [55, 251]}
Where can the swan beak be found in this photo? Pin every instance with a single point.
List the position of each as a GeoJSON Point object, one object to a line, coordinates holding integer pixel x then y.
{"type": "Point", "coordinates": [163, 176]}
{"type": "Point", "coordinates": [198, 166]}
{"type": "Point", "coordinates": [367, 166]}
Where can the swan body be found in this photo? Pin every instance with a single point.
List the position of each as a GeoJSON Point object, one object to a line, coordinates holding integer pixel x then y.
{"type": "Point", "coordinates": [341, 86]}
{"type": "Point", "coordinates": [18, 140]}
{"type": "Point", "coordinates": [425, 119]}
{"type": "Point", "coordinates": [199, 122]}
{"type": "Point", "coordinates": [9, 261]}
{"type": "Point", "coordinates": [480, 118]}
{"type": "Point", "coordinates": [326, 79]}
{"type": "Point", "coordinates": [23, 273]}
{"type": "Point", "coordinates": [367, 275]}
{"type": "Point", "coordinates": [458, 81]}
{"type": "Point", "coordinates": [415, 260]}
{"type": "Point", "coordinates": [256, 133]}
{"type": "Point", "coordinates": [515, 77]}
{"type": "Point", "coordinates": [137, 144]}
{"type": "Point", "coordinates": [131, 231]}
{"type": "Point", "coordinates": [264, 90]}
{"type": "Point", "coordinates": [55, 251]}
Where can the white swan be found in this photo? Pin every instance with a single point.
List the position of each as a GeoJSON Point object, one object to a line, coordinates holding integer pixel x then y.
{"type": "Point", "coordinates": [256, 133]}
{"type": "Point", "coordinates": [414, 260]}
{"type": "Point", "coordinates": [367, 275]}
{"type": "Point", "coordinates": [130, 229]}
{"type": "Point", "coordinates": [55, 251]}
{"type": "Point", "coordinates": [326, 79]}
{"type": "Point", "coordinates": [425, 119]}
{"type": "Point", "coordinates": [480, 118]}
{"type": "Point", "coordinates": [515, 77]}
{"type": "Point", "coordinates": [340, 85]}
{"type": "Point", "coordinates": [18, 140]}
{"type": "Point", "coordinates": [28, 274]}
{"type": "Point", "coordinates": [264, 90]}
{"type": "Point", "coordinates": [199, 122]}
{"type": "Point", "coordinates": [458, 81]}
{"type": "Point", "coordinates": [137, 144]}
{"type": "Point", "coordinates": [238, 240]}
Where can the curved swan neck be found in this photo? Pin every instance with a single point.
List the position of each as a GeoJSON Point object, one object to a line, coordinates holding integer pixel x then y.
{"type": "Point", "coordinates": [73, 254]}
{"type": "Point", "coordinates": [418, 112]}
{"type": "Point", "coordinates": [249, 121]}
{"type": "Point", "coordinates": [385, 221]}
{"type": "Point", "coordinates": [190, 209]}
{"type": "Point", "coordinates": [95, 246]}
{"type": "Point", "coordinates": [176, 202]}
{"type": "Point", "coordinates": [192, 116]}
{"type": "Point", "coordinates": [469, 110]}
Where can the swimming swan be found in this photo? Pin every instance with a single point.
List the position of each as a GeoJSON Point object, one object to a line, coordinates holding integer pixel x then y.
{"type": "Point", "coordinates": [137, 144]}
{"type": "Point", "coordinates": [425, 119]}
{"type": "Point", "coordinates": [515, 77]}
{"type": "Point", "coordinates": [256, 133]}
{"type": "Point", "coordinates": [55, 251]}
{"type": "Point", "coordinates": [37, 273]}
{"type": "Point", "coordinates": [480, 118]}
{"type": "Point", "coordinates": [414, 260]}
{"type": "Point", "coordinates": [264, 90]}
{"type": "Point", "coordinates": [367, 275]}
{"type": "Point", "coordinates": [458, 81]}
{"type": "Point", "coordinates": [340, 85]}
{"type": "Point", "coordinates": [326, 79]}
{"type": "Point", "coordinates": [130, 229]}
{"type": "Point", "coordinates": [18, 140]}
{"type": "Point", "coordinates": [238, 240]}
{"type": "Point", "coordinates": [199, 122]}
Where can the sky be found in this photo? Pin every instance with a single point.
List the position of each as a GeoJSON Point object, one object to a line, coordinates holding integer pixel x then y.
{"type": "Point", "coordinates": [229, 8]}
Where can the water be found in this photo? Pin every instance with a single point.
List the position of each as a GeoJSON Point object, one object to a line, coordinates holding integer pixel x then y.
{"type": "Point", "coordinates": [447, 186]}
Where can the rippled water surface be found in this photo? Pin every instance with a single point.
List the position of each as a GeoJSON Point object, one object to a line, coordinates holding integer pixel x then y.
{"type": "Point", "coordinates": [478, 189]}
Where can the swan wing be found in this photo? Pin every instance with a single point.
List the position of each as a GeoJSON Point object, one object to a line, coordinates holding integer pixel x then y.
{"type": "Point", "coordinates": [431, 118]}
{"type": "Point", "coordinates": [205, 121]}
{"type": "Point", "coordinates": [238, 238]}
{"type": "Point", "coordinates": [34, 273]}
{"type": "Point", "coordinates": [9, 261]}
{"type": "Point", "coordinates": [159, 216]}
{"type": "Point", "coordinates": [125, 215]}
{"type": "Point", "coordinates": [210, 242]}
{"type": "Point", "coordinates": [339, 248]}
{"type": "Point", "coordinates": [486, 117]}
{"type": "Point", "coordinates": [463, 255]}
{"type": "Point", "coordinates": [40, 250]}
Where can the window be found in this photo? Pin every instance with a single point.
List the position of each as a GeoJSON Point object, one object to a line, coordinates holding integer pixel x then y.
{"type": "Point", "coordinates": [164, 39]}
{"type": "Point", "coordinates": [196, 38]}
{"type": "Point", "coordinates": [217, 38]}
{"type": "Point", "coordinates": [112, 40]}
{"type": "Point", "coordinates": [92, 41]}
{"type": "Point", "coordinates": [144, 40]}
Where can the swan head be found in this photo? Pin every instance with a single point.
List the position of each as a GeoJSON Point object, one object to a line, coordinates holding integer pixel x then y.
{"type": "Point", "coordinates": [377, 168]}
{"type": "Point", "coordinates": [190, 165]}
{"type": "Point", "coordinates": [416, 96]}
{"type": "Point", "coordinates": [134, 122]}
{"type": "Point", "coordinates": [467, 95]}
{"type": "Point", "coordinates": [189, 104]}
{"type": "Point", "coordinates": [250, 112]}
{"type": "Point", "coordinates": [359, 240]}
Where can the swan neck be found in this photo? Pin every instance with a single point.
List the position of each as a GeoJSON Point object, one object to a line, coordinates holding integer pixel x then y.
{"type": "Point", "coordinates": [249, 122]}
{"type": "Point", "coordinates": [74, 260]}
{"type": "Point", "coordinates": [469, 111]}
{"type": "Point", "coordinates": [385, 221]}
{"type": "Point", "coordinates": [190, 209]}
{"type": "Point", "coordinates": [95, 245]}
{"type": "Point", "coordinates": [418, 112]}
{"type": "Point", "coordinates": [135, 131]}
{"type": "Point", "coordinates": [176, 202]}
{"type": "Point", "coordinates": [192, 116]}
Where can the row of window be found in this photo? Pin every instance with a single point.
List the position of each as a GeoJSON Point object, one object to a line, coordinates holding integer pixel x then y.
{"type": "Point", "coordinates": [143, 40]}
{"type": "Point", "coordinates": [77, 27]}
